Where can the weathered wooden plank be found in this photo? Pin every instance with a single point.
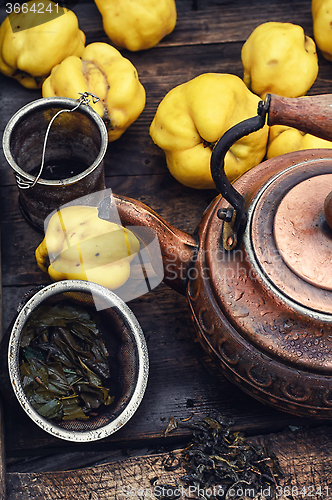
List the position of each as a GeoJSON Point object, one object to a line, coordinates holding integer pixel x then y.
{"type": "Point", "coordinates": [65, 461]}
{"type": "Point", "coordinates": [182, 380]}
{"type": "Point", "coordinates": [208, 37]}
{"type": "Point", "coordinates": [226, 22]}
{"type": "Point", "coordinates": [304, 457]}
{"type": "Point", "coordinates": [2, 422]}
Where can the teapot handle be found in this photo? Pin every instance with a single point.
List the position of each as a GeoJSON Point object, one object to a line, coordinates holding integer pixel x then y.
{"type": "Point", "coordinates": [310, 114]}
{"type": "Point", "coordinates": [235, 218]}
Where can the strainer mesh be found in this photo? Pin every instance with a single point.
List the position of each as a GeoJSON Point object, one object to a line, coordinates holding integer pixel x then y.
{"type": "Point", "coordinates": [123, 359]}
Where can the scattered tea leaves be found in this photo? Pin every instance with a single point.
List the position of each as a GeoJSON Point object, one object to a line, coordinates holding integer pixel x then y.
{"type": "Point", "coordinates": [64, 363]}
{"type": "Point", "coordinates": [225, 464]}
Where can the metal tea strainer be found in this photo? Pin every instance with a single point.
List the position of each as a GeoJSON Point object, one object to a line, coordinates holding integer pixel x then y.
{"type": "Point", "coordinates": [56, 148]}
{"type": "Point", "coordinates": [128, 358]}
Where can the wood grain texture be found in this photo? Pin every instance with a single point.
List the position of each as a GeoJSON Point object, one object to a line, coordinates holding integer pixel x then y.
{"type": "Point", "coordinates": [211, 22]}
{"type": "Point", "coordinates": [2, 420]}
{"type": "Point", "coordinates": [208, 38]}
{"type": "Point", "coordinates": [304, 458]}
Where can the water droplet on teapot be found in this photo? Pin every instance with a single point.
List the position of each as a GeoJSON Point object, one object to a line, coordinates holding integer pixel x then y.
{"type": "Point", "coordinates": [238, 295]}
{"type": "Point", "coordinates": [288, 325]}
{"type": "Point", "coordinates": [242, 312]}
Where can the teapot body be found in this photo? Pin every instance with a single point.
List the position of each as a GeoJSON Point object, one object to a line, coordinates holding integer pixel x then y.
{"type": "Point", "coordinates": [259, 329]}
{"type": "Point", "coordinates": [264, 318]}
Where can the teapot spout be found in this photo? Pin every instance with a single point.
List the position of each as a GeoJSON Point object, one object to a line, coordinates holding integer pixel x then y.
{"type": "Point", "coordinates": [178, 249]}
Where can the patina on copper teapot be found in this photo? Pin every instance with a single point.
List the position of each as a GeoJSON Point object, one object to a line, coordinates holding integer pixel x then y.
{"type": "Point", "coordinates": [257, 272]}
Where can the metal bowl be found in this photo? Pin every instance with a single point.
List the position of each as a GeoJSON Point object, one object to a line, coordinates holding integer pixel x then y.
{"type": "Point", "coordinates": [121, 333]}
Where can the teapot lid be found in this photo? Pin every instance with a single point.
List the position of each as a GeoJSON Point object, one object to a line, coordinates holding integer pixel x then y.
{"type": "Point", "coordinates": [287, 226]}
{"type": "Point", "coordinates": [289, 240]}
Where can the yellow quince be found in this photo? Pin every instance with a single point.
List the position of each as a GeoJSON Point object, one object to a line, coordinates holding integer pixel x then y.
{"type": "Point", "coordinates": [193, 116]}
{"type": "Point", "coordinates": [35, 39]}
{"type": "Point", "coordinates": [284, 140]}
{"type": "Point", "coordinates": [80, 245]}
{"type": "Point", "coordinates": [104, 72]}
{"type": "Point", "coordinates": [278, 58]}
{"type": "Point", "coordinates": [322, 22]}
{"type": "Point", "coordinates": [139, 25]}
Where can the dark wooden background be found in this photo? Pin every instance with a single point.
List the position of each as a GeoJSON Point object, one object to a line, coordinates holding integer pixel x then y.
{"type": "Point", "coordinates": [208, 38]}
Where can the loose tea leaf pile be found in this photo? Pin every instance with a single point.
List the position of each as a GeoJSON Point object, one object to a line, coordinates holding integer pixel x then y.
{"type": "Point", "coordinates": [63, 363]}
{"type": "Point", "coordinates": [223, 465]}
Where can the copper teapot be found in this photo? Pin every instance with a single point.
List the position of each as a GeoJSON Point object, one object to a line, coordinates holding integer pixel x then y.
{"type": "Point", "coordinates": [257, 272]}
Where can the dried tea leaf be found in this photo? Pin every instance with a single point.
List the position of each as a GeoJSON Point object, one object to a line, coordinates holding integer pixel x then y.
{"type": "Point", "coordinates": [52, 409]}
{"type": "Point", "coordinates": [64, 363]}
{"type": "Point", "coordinates": [172, 424]}
{"type": "Point", "coordinates": [72, 409]}
{"type": "Point", "coordinates": [85, 330]}
{"type": "Point", "coordinates": [57, 381]}
{"type": "Point", "coordinates": [94, 380]}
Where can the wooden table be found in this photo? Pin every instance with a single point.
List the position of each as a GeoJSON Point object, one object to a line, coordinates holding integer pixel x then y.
{"type": "Point", "coordinates": [182, 381]}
